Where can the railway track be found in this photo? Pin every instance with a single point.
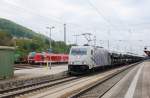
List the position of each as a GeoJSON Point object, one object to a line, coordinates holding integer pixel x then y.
{"type": "Point", "coordinates": [70, 88]}
{"type": "Point", "coordinates": [30, 66]}
{"type": "Point", "coordinates": [62, 84]}
{"type": "Point", "coordinates": [25, 89]}
{"type": "Point", "coordinates": [99, 88]}
{"type": "Point", "coordinates": [26, 66]}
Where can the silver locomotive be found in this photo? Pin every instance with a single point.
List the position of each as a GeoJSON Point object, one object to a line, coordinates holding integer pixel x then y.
{"type": "Point", "coordinates": [84, 58]}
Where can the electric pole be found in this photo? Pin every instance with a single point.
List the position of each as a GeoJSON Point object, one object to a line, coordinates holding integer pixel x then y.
{"type": "Point", "coordinates": [65, 33]}
{"type": "Point", "coordinates": [94, 40]}
{"type": "Point", "coordinates": [50, 46]}
{"type": "Point", "coordinates": [50, 31]}
{"type": "Point", "coordinates": [76, 38]}
{"type": "Point", "coordinates": [108, 44]}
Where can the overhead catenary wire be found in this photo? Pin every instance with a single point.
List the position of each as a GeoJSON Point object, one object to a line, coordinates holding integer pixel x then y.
{"type": "Point", "coordinates": [100, 13]}
{"type": "Point", "coordinates": [52, 18]}
{"type": "Point", "coordinates": [75, 27]}
{"type": "Point", "coordinates": [58, 20]}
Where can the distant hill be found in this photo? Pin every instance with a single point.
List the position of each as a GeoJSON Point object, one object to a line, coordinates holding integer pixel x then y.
{"type": "Point", "coordinates": [15, 29]}
{"type": "Point", "coordinates": [27, 40]}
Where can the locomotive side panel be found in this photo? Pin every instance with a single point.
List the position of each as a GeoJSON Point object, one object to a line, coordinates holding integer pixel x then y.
{"type": "Point", "coordinates": [101, 57]}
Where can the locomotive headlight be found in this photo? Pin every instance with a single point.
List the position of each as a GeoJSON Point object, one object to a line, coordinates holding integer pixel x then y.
{"type": "Point", "coordinates": [71, 62]}
{"type": "Point", "coordinates": [84, 63]}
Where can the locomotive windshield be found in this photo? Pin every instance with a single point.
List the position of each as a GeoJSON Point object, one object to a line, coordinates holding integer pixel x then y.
{"type": "Point", "coordinates": [32, 54]}
{"type": "Point", "coordinates": [79, 51]}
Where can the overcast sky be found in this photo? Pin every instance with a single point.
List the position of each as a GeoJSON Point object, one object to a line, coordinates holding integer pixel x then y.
{"type": "Point", "coordinates": [126, 23]}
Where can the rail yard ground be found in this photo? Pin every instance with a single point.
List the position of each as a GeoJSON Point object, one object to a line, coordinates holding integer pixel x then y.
{"type": "Point", "coordinates": [117, 82]}
{"type": "Point", "coordinates": [75, 84]}
{"type": "Point", "coordinates": [133, 83]}
{"type": "Point", "coordinates": [74, 49]}
{"type": "Point", "coordinates": [136, 84]}
{"type": "Point", "coordinates": [36, 72]}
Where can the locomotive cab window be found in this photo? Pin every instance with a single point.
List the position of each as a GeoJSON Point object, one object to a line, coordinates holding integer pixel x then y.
{"type": "Point", "coordinates": [79, 51]}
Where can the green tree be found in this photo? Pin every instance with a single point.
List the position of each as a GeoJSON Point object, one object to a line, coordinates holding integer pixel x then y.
{"type": "Point", "coordinates": [5, 39]}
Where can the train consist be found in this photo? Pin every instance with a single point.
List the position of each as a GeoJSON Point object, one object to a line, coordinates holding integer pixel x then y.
{"type": "Point", "coordinates": [84, 58]}
{"type": "Point", "coordinates": [37, 58]}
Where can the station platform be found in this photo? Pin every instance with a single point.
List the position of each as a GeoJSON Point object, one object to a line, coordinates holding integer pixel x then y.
{"type": "Point", "coordinates": [25, 77]}
{"type": "Point", "coordinates": [136, 84]}
{"type": "Point", "coordinates": [34, 74]}
{"type": "Point", "coordinates": [38, 72]}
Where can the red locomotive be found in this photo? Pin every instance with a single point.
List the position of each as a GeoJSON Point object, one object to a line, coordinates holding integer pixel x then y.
{"type": "Point", "coordinates": [34, 58]}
